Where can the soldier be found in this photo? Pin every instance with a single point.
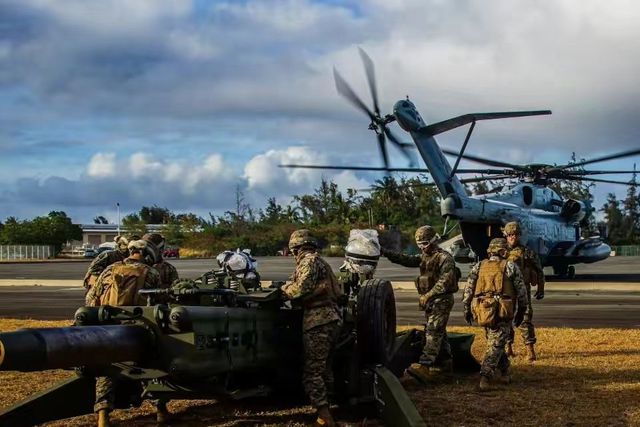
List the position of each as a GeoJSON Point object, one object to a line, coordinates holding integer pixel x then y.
{"type": "Point", "coordinates": [436, 284]}
{"type": "Point", "coordinates": [532, 275]}
{"type": "Point", "coordinates": [493, 287]}
{"type": "Point", "coordinates": [168, 273]}
{"type": "Point", "coordinates": [360, 262]}
{"type": "Point", "coordinates": [118, 285]}
{"type": "Point", "coordinates": [104, 260]}
{"type": "Point", "coordinates": [314, 286]}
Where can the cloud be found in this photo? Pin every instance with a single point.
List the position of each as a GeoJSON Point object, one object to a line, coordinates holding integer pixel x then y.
{"type": "Point", "coordinates": [250, 80]}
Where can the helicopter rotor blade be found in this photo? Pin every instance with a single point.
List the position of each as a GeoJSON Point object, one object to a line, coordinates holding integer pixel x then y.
{"type": "Point", "coordinates": [345, 90]}
{"type": "Point", "coordinates": [382, 146]}
{"type": "Point", "coordinates": [598, 172]}
{"type": "Point", "coordinates": [402, 146]}
{"type": "Point", "coordinates": [355, 168]}
{"type": "Point", "coordinates": [371, 79]}
{"type": "Point", "coordinates": [484, 178]}
{"type": "Point", "coordinates": [627, 153]}
{"type": "Point", "coordinates": [607, 181]}
{"type": "Point", "coordinates": [484, 161]}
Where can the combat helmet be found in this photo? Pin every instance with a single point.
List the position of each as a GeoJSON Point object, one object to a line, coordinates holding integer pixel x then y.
{"type": "Point", "coordinates": [302, 237]}
{"type": "Point", "coordinates": [148, 250]}
{"type": "Point", "coordinates": [512, 227]}
{"type": "Point", "coordinates": [155, 238]}
{"type": "Point", "coordinates": [425, 235]}
{"type": "Point", "coordinates": [497, 245]}
{"type": "Point", "coordinates": [122, 243]}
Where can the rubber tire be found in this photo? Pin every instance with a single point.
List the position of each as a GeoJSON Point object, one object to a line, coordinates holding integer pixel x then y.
{"type": "Point", "coordinates": [376, 322]}
{"type": "Point", "coordinates": [571, 272]}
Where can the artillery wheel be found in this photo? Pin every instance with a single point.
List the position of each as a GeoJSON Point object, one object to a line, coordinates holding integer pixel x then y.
{"type": "Point", "coordinates": [376, 323]}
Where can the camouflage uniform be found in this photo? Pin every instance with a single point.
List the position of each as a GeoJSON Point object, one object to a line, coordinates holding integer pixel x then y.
{"type": "Point", "coordinates": [314, 285]}
{"type": "Point", "coordinates": [532, 275]}
{"type": "Point", "coordinates": [106, 386]}
{"type": "Point", "coordinates": [100, 263]}
{"type": "Point", "coordinates": [497, 335]}
{"type": "Point", "coordinates": [168, 273]}
{"type": "Point", "coordinates": [438, 281]}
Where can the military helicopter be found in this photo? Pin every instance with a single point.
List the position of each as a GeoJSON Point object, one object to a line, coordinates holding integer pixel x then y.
{"type": "Point", "coordinates": [551, 226]}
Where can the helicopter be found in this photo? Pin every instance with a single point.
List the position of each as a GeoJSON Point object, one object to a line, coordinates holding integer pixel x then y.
{"type": "Point", "coordinates": [551, 226]}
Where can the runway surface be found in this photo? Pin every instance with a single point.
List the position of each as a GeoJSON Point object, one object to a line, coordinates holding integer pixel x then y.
{"type": "Point", "coordinates": [578, 309]}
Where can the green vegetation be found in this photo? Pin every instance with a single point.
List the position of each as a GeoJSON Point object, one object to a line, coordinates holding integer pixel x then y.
{"type": "Point", "coordinates": [54, 229]}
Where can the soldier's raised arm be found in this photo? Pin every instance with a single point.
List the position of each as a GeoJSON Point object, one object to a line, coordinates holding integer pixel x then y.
{"type": "Point", "coordinates": [402, 259]}
{"type": "Point", "coordinates": [304, 281]}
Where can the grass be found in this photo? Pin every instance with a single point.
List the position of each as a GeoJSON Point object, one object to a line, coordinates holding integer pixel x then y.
{"type": "Point", "coordinates": [582, 377]}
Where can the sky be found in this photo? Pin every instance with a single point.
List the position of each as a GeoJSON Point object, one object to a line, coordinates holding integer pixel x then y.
{"type": "Point", "coordinates": [179, 103]}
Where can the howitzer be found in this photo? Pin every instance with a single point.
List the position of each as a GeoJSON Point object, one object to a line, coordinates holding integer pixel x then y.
{"type": "Point", "coordinates": [231, 345]}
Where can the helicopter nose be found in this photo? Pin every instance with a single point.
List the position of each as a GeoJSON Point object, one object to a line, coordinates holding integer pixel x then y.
{"type": "Point", "coordinates": [407, 116]}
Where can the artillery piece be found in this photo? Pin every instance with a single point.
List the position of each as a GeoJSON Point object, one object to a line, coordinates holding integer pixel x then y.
{"type": "Point", "coordinates": [215, 342]}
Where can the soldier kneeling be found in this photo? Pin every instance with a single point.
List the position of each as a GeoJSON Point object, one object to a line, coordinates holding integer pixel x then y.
{"type": "Point", "coordinates": [489, 299]}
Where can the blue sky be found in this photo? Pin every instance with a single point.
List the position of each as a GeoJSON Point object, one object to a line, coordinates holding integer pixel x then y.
{"type": "Point", "coordinates": [177, 103]}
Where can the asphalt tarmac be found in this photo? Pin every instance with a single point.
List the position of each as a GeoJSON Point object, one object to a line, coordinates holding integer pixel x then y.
{"type": "Point", "coordinates": [593, 299]}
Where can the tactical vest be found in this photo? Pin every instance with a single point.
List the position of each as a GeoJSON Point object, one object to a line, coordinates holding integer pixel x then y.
{"type": "Point", "coordinates": [126, 281]}
{"type": "Point", "coordinates": [519, 257]}
{"type": "Point", "coordinates": [165, 270]}
{"type": "Point", "coordinates": [494, 294]}
{"type": "Point", "coordinates": [429, 270]}
{"type": "Point", "coordinates": [327, 290]}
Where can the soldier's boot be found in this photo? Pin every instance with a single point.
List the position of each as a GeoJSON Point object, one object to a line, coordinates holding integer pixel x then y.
{"type": "Point", "coordinates": [420, 372]}
{"type": "Point", "coordinates": [510, 352]}
{"type": "Point", "coordinates": [324, 418]}
{"type": "Point", "coordinates": [505, 377]}
{"type": "Point", "coordinates": [484, 383]}
{"type": "Point", "coordinates": [163, 415]}
{"type": "Point", "coordinates": [531, 353]}
{"type": "Point", "coordinates": [103, 418]}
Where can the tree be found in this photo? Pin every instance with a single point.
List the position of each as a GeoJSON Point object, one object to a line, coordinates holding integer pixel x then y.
{"type": "Point", "coordinates": [155, 215]}
{"type": "Point", "coordinates": [631, 209]}
{"type": "Point", "coordinates": [134, 225]}
{"type": "Point", "coordinates": [55, 229]}
{"type": "Point", "coordinates": [613, 219]}
{"type": "Point", "coordinates": [100, 220]}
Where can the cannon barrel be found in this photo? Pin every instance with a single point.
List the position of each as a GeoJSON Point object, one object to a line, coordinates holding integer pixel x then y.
{"type": "Point", "coordinates": [40, 349]}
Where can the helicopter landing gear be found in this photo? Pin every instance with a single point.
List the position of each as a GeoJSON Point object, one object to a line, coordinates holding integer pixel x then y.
{"type": "Point", "coordinates": [565, 271]}
{"type": "Point", "coordinates": [560, 271]}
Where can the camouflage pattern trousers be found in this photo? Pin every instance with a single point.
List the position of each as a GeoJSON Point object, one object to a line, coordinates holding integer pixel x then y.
{"type": "Point", "coordinates": [105, 393]}
{"type": "Point", "coordinates": [527, 330]}
{"type": "Point", "coordinates": [436, 346]}
{"type": "Point", "coordinates": [317, 375]}
{"type": "Point", "coordinates": [495, 356]}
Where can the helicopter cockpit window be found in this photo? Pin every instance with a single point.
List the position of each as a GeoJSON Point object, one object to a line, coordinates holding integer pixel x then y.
{"type": "Point", "coordinates": [527, 195]}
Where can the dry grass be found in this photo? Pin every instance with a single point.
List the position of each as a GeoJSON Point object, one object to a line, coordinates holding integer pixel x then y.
{"type": "Point", "coordinates": [582, 377]}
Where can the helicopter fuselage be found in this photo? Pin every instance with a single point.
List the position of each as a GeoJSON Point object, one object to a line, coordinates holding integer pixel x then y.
{"type": "Point", "coordinates": [551, 225]}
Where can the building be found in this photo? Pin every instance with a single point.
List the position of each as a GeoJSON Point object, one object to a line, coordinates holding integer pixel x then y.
{"type": "Point", "coordinates": [93, 235]}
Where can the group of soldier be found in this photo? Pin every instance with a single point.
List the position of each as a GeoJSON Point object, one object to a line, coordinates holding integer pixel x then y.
{"type": "Point", "coordinates": [114, 278]}
{"type": "Point", "coordinates": [497, 296]}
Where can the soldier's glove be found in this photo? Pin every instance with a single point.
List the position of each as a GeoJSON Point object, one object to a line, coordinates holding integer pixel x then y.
{"type": "Point", "coordinates": [468, 317]}
{"type": "Point", "coordinates": [277, 284]}
{"type": "Point", "coordinates": [424, 301]}
{"type": "Point", "coordinates": [540, 292]}
{"type": "Point", "coordinates": [519, 317]}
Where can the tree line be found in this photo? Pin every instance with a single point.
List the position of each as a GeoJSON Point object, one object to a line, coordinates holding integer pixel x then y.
{"type": "Point", "coordinates": [393, 205]}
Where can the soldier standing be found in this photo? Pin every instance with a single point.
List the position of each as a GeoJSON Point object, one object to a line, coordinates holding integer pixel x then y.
{"type": "Point", "coordinates": [436, 284]}
{"type": "Point", "coordinates": [493, 287]}
{"type": "Point", "coordinates": [315, 287]}
{"type": "Point", "coordinates": [168, 273]}
{"type": "Point", "coordinates": [119, 284]}
{"type": "Point", "coordinates": [532, 275]}
{"type": "Point", "coordinates": [104, 260]}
